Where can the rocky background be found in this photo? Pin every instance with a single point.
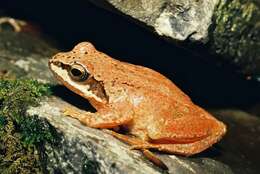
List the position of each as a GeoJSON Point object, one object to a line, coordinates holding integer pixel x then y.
{"type": "Point", "coordinates": [228, 29]}
{"type": "Point", "coordinates": [210, 52]}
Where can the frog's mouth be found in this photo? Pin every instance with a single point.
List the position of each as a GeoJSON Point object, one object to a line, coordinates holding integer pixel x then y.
{"type": "Point", "coordinates": [89, 88]}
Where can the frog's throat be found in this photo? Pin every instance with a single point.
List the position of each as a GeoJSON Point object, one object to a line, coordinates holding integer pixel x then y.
{"type": "Point", "coordinates": [81, 89]}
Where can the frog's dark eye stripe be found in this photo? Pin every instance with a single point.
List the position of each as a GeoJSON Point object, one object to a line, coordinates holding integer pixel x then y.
{"type": "Point", "coordinates": [78, 72]}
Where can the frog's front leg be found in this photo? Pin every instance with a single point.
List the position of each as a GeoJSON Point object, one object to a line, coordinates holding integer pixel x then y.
{"type": "Point", "coordinates": [104, 118]}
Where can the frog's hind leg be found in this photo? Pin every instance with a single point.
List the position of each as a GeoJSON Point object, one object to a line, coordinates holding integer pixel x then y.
{"type": "Point", "coordinates": [186, 148]}
{"type": "Point", "coordinates": [136, 141]}
{"type": "Point", "coordinates": [127, 139]}
{"type": "Point", "coordinates": [180, 149]}
{"type": "Point", "coordinates": [186, 135]}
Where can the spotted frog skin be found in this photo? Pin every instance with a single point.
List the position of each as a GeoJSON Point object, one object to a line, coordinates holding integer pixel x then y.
{"type": "Point", "coordinates": [152, 110]}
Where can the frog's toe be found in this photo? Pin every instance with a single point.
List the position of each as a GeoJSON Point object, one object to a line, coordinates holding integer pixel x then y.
{"type": "Point", "coordinates": [72, 113]}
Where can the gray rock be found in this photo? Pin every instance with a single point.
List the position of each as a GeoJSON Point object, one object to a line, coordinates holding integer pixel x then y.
{"type": "Point", "coordinates": [81, 143]}
{"type": "Point", "coordinates": [178, 20]}
{"type": "Point", "coordinates": [25, 55]}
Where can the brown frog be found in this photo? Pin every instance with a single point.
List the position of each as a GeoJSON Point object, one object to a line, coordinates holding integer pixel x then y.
{"type": "Point", "coordinates": [155, 113]}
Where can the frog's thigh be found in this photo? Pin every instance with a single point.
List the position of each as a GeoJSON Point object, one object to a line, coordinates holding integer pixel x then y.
{"type": "Point", "coordinates": [101, 119]}
{"type": "Point", "coordinates": [186, 148]}
{"type": "Point", "coordinates": [183, 149]}
{"type": "Point", "coordinates": [182, 130]}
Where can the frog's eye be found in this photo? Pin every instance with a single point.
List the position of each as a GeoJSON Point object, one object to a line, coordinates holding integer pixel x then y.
{"type": "Point", "coordinates": [78, 72]}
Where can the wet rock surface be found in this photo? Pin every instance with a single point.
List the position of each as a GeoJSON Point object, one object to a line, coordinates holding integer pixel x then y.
{"type": "Point", "coordinates": [84, 149]}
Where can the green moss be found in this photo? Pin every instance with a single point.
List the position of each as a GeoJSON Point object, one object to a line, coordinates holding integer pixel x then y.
{"type": "Point", "coordinates": [2, 122]}
{"type": "Point", "coordinates": [22, 137]}
{"type": "Point", "coordinates": [37, 131]}
{"type": "Point", "coordinates": [236, 35]}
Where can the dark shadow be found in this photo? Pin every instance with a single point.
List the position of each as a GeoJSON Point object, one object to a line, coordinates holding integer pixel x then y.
{"type": "Point", "coordinates": [72, 98]}
{"type": "Point", "coordinates": [212, 152]}
{"type": "Point", "coordinates": [70, 22]}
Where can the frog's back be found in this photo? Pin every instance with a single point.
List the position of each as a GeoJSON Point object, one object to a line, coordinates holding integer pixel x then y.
{"type": "Point", "coordinates": [137, 77]}
{"type": "Point", "coordinates": [150, 80]}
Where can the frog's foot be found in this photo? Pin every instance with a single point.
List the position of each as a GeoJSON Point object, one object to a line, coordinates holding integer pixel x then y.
{"type": "Point", "coordinates": [16, 24]}
{"type": "Point", "coordinates": [136, 141]}
{"type": "Point", "coordinates": [72, 112]}
{"type": "Point", "coordinates": [154, 159]}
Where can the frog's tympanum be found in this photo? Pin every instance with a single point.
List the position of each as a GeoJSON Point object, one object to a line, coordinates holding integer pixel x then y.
{"type": "Point", "coordinates": [155, 113]}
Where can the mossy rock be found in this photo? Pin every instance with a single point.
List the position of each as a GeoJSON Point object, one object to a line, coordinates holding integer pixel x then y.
{"type": "Point", "coordinates": [23, 137]}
